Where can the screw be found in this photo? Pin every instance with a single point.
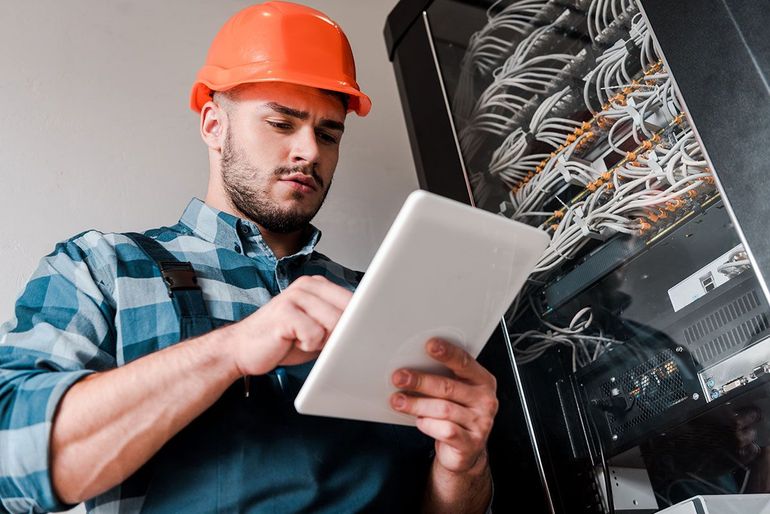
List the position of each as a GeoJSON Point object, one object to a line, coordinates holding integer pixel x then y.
{"type": "Point", "coordinates": [695, 396]}
{"type": "Point", "coordinates": [614, 437]}
{"type": "Point", "coordinates": [714, 394]}
{"type": "Point", "coordinates": [710, 383]}
{"type": "Point", "coordinates": [679, 349]}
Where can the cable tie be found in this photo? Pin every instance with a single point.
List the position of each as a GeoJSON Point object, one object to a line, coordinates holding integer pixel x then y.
{"type": "Point", "coordinates": [561, 167]}
{"type": "Point", "coordinates": [506, 209]}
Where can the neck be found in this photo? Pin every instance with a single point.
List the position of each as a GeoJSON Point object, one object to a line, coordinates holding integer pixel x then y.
{"type": "Point", "coordinates": [283, 244]}
{"type": "Point", "coordinates": [280, 244]}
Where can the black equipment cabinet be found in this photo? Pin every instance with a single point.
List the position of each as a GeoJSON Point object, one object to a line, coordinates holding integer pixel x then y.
{"type": "Point", "coordinates": [633, 369]}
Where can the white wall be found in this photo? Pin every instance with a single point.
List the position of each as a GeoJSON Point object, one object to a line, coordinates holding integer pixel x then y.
{"type": "Point", "coordinates": [96, 132]}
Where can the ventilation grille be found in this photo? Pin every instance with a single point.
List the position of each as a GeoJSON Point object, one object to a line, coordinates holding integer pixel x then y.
{"type": "Point", "coordinates": [738, 308]}
{"type": "Point", "coordinates": [653, 387]}
{"type": "Point", "coordinates": [740, 335]}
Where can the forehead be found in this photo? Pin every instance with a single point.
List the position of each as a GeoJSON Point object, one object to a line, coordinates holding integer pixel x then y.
{"type": "Point", "coordinates": [317, 102]}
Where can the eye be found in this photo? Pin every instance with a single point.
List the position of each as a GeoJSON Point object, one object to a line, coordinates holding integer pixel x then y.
{"type": "Point", "coordinates": [327, 138]}
{"type": "Point", "coordinates": [279, 125]}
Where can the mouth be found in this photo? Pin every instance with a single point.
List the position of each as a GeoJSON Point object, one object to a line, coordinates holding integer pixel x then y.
{"type": "Point", "coordinates": [301, 182]}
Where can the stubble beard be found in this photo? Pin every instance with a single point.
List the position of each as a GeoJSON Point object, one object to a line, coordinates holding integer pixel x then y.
{"type": "Point", "coordinates": [239, 178]}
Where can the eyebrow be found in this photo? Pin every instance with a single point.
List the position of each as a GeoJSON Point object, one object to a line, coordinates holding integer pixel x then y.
{"type": "Point", "coordinates": [303, 115]}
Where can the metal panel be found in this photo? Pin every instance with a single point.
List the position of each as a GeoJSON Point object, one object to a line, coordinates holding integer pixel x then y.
{"type": "Point", "coordinates": [719, 54]}
{"type": "Point", "coordinates": [400, 20]}
{"type": "Point", "coordinates": [439, 167]}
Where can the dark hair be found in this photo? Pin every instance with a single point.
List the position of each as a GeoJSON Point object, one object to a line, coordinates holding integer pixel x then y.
{"type": "Point", "coordinates": [345, 99]}
{"type": "Point", "coordinates": [233, 92]}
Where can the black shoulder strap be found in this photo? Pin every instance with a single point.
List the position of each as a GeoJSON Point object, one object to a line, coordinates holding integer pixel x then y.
{"type": "Point", "coordinates": [179, 277]}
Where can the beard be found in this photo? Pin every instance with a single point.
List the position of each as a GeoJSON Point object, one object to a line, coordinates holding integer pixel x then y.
{"type": "Point", "coordinates": [247, 188]}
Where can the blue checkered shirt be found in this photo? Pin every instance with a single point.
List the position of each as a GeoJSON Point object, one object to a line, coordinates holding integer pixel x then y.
{"type": "Point", "coordinates": [84, 310]}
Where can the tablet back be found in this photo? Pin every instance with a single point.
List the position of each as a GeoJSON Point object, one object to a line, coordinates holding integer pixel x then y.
{"type": "Point", "coordinates": [444, 269]}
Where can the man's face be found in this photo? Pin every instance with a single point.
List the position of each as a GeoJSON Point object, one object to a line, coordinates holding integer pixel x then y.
{"type": "Point", "coordinates": [280, 152]}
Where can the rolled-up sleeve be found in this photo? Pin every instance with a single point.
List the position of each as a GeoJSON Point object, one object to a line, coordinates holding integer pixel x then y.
{"type": "Point", "coordinates": [62, 331]}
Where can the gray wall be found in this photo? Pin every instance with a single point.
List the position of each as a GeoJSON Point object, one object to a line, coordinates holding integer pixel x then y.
{"type": "Point", "coordinates": [96, 132]}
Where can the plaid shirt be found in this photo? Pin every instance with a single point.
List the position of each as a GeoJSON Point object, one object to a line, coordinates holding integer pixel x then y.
{"type": "Point", "coordinates": [84, 310]}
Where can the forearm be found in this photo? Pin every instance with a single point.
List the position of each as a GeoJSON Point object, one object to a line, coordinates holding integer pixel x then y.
{"type": "Point", "coordinates": [467, 492]}
{"type": "Point", "coordinates": [109, 424]}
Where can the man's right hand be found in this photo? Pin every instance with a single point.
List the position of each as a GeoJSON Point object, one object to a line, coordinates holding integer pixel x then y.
{"type": "Point", "coordinates": [290, 329]}
{"type": "Point", "coordinates": [110, 423]}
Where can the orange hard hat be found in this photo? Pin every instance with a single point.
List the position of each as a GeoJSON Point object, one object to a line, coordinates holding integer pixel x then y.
{"type": "Point", "coordinates": [280, 42]}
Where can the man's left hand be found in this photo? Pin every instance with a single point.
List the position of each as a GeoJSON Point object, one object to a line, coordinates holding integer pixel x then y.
{"type": "Point", "coordinates": [457, 412]}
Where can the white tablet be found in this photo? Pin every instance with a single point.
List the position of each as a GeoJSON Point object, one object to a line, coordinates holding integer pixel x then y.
{"type": "Point", "coordinates": [444, 269]}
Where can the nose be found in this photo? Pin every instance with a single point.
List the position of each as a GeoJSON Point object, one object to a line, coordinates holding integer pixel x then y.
{"type": "Point", "coordinates": [305, 148]}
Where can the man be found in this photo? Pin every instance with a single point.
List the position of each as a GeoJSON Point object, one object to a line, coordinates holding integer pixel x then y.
{"type": "Point", "coordinates": [156, 372]}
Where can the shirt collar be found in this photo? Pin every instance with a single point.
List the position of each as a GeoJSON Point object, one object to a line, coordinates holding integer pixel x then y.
{"type": "Point", "coordinates": [228, 231]}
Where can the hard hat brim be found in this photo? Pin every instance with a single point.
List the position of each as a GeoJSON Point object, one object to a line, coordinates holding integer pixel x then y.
{"type": "Point", "coordinates": [201, 92]}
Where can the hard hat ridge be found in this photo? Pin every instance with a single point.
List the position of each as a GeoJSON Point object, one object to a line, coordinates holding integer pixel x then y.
{"type": "Point", "coordinates": [280, 42]}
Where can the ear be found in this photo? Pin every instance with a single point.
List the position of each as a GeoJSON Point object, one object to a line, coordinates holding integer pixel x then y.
{"type": "Point", "coordinates": [213, 126]}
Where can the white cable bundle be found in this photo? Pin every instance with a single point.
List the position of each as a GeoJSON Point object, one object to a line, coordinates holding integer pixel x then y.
{"type": "Point", "coordinates": [513, 169]}
{"type": "Point", "coordinates": [514, 86]}
{"type": "Point", "coordinates": [569, 237]}
{"type": "Point", "coordinates": [552, 130]}
{"type": "Point", "coordinates": [585, 348]}
{"type": "Point", "coordinates": [601, 13]}
{"type": "Point", "coordinates": [737, 263]}
{"type": "Point", "coordinates": [490, 45]}
{"type": "Point", "coordinates": [577, 172]}
{"type": "Point", "coordinates": [530, 197]}
{"type": "Point", "coordinates": [682, 161]}
{"type": "Point", "coordinates": [508, 160]}
{"type": "Point", "coordinates": [506, 157]}
{"type": "Point", "coordinates": [640, 103]}
{"type": "Point", "coordinates": [642, 37]}
{"type": "Point", "coordinates": [656, 95]}
{"type": "Point", "coordinates": [511, 91]}
{"type": "Point", "coordinates": [609, 74]}
{"type": "Point", "coordinates": [665, 175]}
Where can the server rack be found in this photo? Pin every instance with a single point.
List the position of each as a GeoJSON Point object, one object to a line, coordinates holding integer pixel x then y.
{"type": "Point", "coordinates": [632, 132]}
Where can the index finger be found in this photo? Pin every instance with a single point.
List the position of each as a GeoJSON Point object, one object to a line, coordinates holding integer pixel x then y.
{"type": "Point", "coordinates": [458, 361]}
{"type": "Point", "coordinates": [325, 289]}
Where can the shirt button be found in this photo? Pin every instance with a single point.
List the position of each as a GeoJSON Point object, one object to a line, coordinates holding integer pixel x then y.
{"type": "Point", "coordinates": [237, 248]}
{"type": "Point", "coordinates": [244, 229]}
